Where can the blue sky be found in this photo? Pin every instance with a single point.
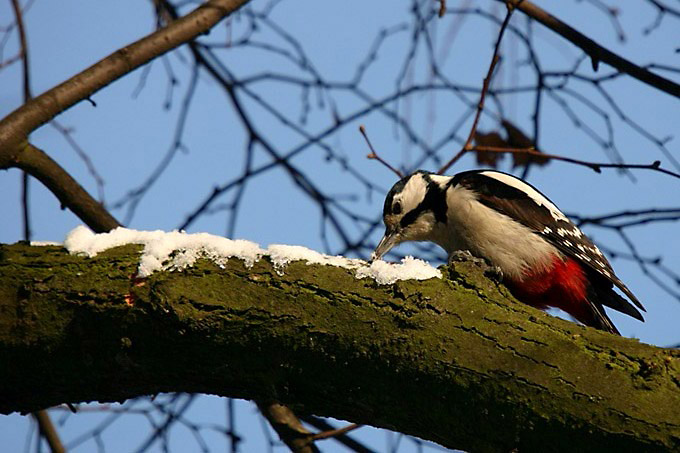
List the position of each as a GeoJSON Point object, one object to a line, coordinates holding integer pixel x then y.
{"type": "Point", "coordinates": [126, 136]}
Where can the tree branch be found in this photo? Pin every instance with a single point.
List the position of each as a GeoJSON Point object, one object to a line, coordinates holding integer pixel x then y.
{"type": "Point", "coordinates": [595, 51]}
{"type": "Point", "coordinates": [23, 45]}
{"type": "Point", "coordinates": [288, 427]}
{"type": "Point", "coordinates": [15, 128]}
{"type": "Point", "coordinates": [71, 194]}
{"type": "Point", "coordinates": [48, 431]}
{"type": "Point", "coordinates": [595, 166]}
{"type": "Point", "coordinates": [323, 426]}
{"type": "Point", "coordinates": [482, 96]}
{"type": "Point", "coordinates": [456, 351]}
{"type": "Point", "coordinates": [17, 125]}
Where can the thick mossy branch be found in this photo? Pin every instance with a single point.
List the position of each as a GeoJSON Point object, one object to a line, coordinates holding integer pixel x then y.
{"type": "Point", "coordinates": [455, 361]}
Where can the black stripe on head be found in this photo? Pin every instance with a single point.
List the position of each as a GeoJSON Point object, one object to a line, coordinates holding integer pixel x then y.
{"type": "Point", "coordinates": [396, 189]}
{"type": "Point", "coordinates": [434, 201]}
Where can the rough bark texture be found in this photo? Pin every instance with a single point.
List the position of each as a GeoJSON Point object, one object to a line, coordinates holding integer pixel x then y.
{"type": "Point", "coordinates": [455, 361]}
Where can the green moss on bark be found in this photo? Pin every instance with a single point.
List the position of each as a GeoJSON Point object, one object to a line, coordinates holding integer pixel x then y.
{"type": "Point", "coordinates": [455, 360]}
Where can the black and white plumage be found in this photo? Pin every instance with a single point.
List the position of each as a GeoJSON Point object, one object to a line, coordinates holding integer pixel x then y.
{"type": "Point", "coordinates": [545, 259]}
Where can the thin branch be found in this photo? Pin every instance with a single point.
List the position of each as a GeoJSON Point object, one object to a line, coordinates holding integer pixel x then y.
{"type": "Point", "coordinates": [649, 215]}
{"type": "Point", "coordinates": [25, 205]}
{"type": "Point", "coordinates": [67, 133]}
{"type": "Point", "coordinates": [10, 61]}
{"type": "Point", "coordinates": [71, 194]}
{"type": "Point", "coordinates": [595, 51]}
{"type": "Point", "coordinates": [331, 433]}
{"type": "Point", "coordinates": [595, 166]}
{"type": "Point", "coordinates": [48, 431]}
{"type": "Point", "coordinates": [170, 418]}
{"type": "Point", "coordinates": [482, 96]}
{"type": "Point", "coordinates": [23, 52]}
{"type": "Point", "coordinates": [14, 129]}
{"type": "Point", "coordinates": [374, 155]}
{"type": "Point", "coordinates": [288, 427]}
{"type": "Point", "coordinates": [17, 125]}
{"type": "Point", "coordinates": [344, 439]}
{"type": "Point", "coordinates": [442, 8]}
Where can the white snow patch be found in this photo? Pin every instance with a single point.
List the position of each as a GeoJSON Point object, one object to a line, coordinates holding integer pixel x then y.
{"type": "Point", "coordinates": [177, 250]}
{"type": "Point", "coordinates": [44, 243]}
{"type": "Point", "coordinates": [281, 255]}
{"type": "Point", "coordinates": [410, 269]}
{"type": "Point", "coordinates": [160, 245]}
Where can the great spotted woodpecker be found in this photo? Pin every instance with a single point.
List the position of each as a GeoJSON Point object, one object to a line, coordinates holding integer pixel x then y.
{"type": "Point", "coordinates": [545, 260]}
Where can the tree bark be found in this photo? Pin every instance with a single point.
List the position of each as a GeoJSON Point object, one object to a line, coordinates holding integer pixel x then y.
{"type": "Point", "coordinates": [455, 360]}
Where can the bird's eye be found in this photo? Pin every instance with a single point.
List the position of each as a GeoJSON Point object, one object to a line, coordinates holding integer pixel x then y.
{"type": "Point", "coordinates": [396, 208]}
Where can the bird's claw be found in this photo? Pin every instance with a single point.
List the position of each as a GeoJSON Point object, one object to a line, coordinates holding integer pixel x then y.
{"type": "Point", "coordinates": [491, 271]}
{"type": "Point", "coordinates": [462, 255]}
{"type": "Point", "coordinates": [494, 273]}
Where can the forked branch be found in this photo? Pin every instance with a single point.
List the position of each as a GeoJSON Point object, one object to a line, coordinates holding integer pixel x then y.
{"type": "Point", "coordinates": [485, 88]}
{"type": "Point", "coordinates": [374, 155]}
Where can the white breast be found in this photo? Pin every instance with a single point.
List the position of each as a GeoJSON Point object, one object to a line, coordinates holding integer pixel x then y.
{"type": "Point", "coordinates": [489, 234]}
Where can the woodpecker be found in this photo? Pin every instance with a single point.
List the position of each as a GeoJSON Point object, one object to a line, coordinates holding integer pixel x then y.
{"type": "Point", "coordinates": [545, 260]}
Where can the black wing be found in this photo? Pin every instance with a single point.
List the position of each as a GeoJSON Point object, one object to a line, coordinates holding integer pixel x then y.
{"type": "Point", "coordinates": [522, 202]}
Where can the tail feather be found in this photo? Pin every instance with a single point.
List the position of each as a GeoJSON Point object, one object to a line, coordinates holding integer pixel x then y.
{"type": "Point", "coordinates": [612, 300]}
{"type": "Point", "coordinates": [602, 290]}
{"type": "Point", "coordinates": [600, 320]}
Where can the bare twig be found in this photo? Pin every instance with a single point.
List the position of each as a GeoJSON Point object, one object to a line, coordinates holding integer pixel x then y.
{"type": "Point", "coordinates": [17, 125]}
{"type": "Point", "coordinates": [595, 166]}
{"type": "Point", "coordinates": [335, 432]}
{"type": "Point", "coordinates": [14, 129]}
{"type": "Point", "coordinates": [23, 52]}
{"type": "Point", "coordinates": [160, 433]}
{"type": "Point", "coordinates": [67, 133]}
{"type": "Point", "coordinates": [638, 217]}
{"type": "Point", "coordinates": [595, 51]}
{"type": "Point", "coordinates": [442, 8]}
{"type": "Point", "coordinates": [71, 194]}
{"type": "Point", "coordinates": [10, 61]}
{"type": "Point", "coordinates": [48, 431]}
{"type": "Point", "coordinates": [288, 427]}
{"type": "Point", "coordinates": [374, 155]}
{"type": "Point", "coordinates": [347, 441]}
{"type": "Point", "coordinates": [482, 96]}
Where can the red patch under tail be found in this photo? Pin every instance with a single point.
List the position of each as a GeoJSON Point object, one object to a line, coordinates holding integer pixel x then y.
{"type": "Point", "coordinates": [564, 286]}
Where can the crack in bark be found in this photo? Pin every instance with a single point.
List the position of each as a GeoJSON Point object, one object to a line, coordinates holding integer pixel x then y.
{"type": "Point", "coordinates": [324, 342]}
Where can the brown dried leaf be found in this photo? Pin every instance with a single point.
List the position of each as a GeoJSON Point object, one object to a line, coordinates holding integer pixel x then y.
{"type": "Point", "coordinates": [489, 139]}
{"type": "Point", "coordinates": [518, 139]}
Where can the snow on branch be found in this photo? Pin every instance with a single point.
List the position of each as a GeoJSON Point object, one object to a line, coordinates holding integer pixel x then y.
{"type": "Point", "coordinates": [177, 250]}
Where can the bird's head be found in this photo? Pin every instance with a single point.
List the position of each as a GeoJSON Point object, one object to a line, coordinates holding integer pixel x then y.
{"type": "Point", "coordinates": [412, 208]}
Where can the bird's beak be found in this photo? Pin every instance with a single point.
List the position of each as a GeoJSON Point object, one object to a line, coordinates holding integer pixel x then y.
{"type": "Point", "coordinates": [389, 240]}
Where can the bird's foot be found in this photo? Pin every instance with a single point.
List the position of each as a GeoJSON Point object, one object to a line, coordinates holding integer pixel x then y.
{"type": "Point", "coordinates": [463, 255]}
{"type": "Point", "coordinates": [491, 271]}
{"type": "Point", "coordinates": [494, 273]}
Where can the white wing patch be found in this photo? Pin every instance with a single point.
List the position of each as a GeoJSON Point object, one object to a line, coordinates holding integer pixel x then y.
{"type": "Point", "coordinates": [571, 231]}
{"type": "Point", "coordinates": [595, 250]}
{"type": "Point", "coordinates": [530, 191]}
